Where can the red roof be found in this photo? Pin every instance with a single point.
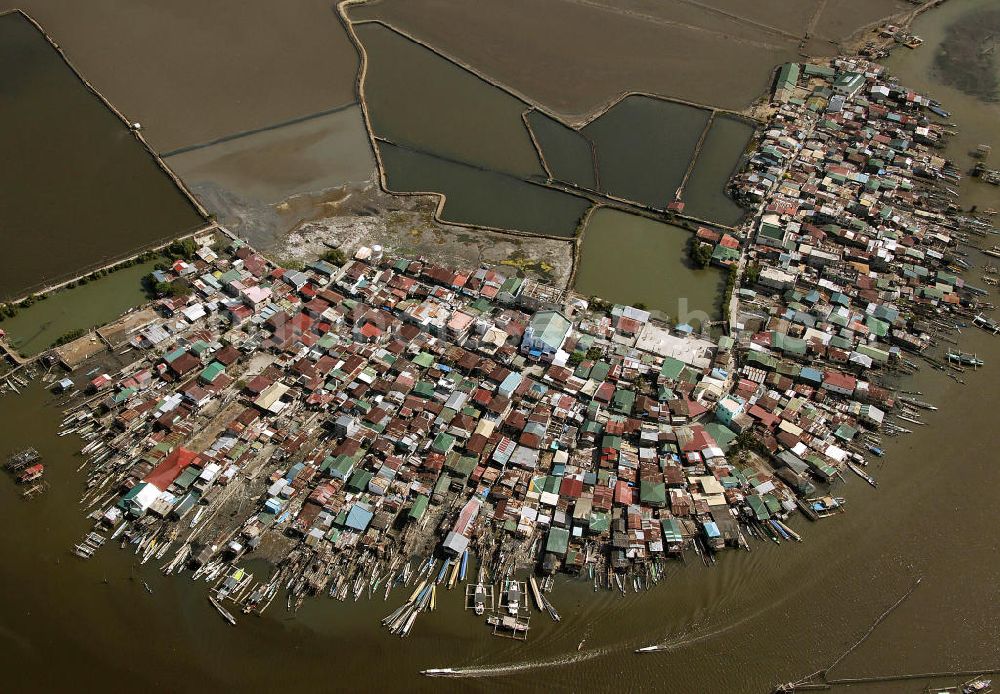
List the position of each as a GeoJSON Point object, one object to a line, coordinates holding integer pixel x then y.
{"type": "Point", "coordinates": [623, 493]}
{"type": "Point", "coordinates": [571, 487]}
{"type": "Point", "coordinates": [164, 474]}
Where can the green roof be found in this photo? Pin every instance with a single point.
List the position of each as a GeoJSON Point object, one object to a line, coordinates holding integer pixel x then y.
{"type": "Point", "coordinates": [623, 401]}
{"type": "Point", "coordinates": [672, 530]}
{"type": "Point", "coordinates": [600, 371]}
{"type": "Point", "coordinates": [462, 465]}
{"type": "Point", "coordinates": [758, 507]}
{"type": "Point", "coordinates": [818, 70]}
{"type": "Point", "coordinates": [418, 508]}
{"type": "Point", "coordinates": [212, 372]}
{"type": "Point", "coordinates": [171, 356]}
{"type": "Point", "coordinates": [671, 368]}
{"type": "Point", "coordinates": [189, 475]}
{"type": "Point", "coordinates": [424, 360]}
{"type": "Point", "coordinates": [652, 493]}
{"type": "Point", "coordinates": [423, 389]}
{"type": "Point", "coordinates": [558, 541]}
{"type": "Point", "coordinates": [550, 328]}
{"type": "Point", "coordinates": [443, 443]}
{"type": "Point", "coordinates": [788, 75]}
{"type": "Point", "coordinates": [599, 521]}
{"type": "Point", "coordinates": [359, 480]}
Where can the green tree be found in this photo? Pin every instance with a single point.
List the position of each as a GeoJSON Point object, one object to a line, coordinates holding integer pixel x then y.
{"type": "Point", "coordinates": [69, 337]}
{"type": "Point", "coordinates": [171, 289]}
{"type": "Point", "coordinates": [181, 249]}
{"type": "Point", "coordinates": [699, 253]}
{"type": "Point", "coordinates": [334, 256]}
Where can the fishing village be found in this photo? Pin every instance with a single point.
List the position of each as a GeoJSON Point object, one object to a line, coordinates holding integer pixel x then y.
{"type": "Point", "coordinates": [382, 427]}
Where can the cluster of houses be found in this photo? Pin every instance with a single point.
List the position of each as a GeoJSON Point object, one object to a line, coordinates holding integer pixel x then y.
{"type": "Point", "coordinates": [364, 404]}
{"type": "Point", "coordinates": [390, 400]}
{"type": "Point", "coordinates": [852, 263]}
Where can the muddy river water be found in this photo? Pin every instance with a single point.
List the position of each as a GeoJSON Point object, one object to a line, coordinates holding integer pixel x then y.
{"type": "Point", "coordinates": [750, 621]}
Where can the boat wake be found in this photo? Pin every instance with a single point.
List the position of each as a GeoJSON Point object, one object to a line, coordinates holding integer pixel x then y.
{"type": "Point", "coordinates": [513, 668]}
{"type": "Point", "coordinates": [691, 636]}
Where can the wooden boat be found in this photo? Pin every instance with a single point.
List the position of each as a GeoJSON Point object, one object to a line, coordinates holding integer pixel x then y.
{"type": "Point", "coordinates": [534, 591]}
{"type": "Point", "coordinates": [513, 594]}
{"type": "Point", "coordinates": [222, 611]}
{"type": "Point", "coordinates": [966, 359]}
{"type": "Point", "coordinates": [551, 610]}
{"type": "Point", "coordinates": [31, 474]}
{"type": "Point", "coordinates": [438, 672]}
{"type": "Point", "coordinates": [862, 474]}
{"type": "Point", "coordinates": [987, 324]}
{"type": "Point", "coordinates": [509, 623]}
{"type": "Point", "coordinates": [479, 599]}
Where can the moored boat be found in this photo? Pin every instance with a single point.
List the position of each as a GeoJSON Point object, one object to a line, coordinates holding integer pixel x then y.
{"type": "Point", "coordinates": [222, 611]}
{"type": "Point", "coordinates": [30, 474]}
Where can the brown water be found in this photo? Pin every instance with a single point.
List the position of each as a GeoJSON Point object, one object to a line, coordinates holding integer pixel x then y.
{"type": "Point", "coordinates": [248, 181]}
{"type": "Point", "coordinates": [418, 99]}
{"type": "Point", "coordinates": [191, 71]}
{"type": "Point", "coordinates": [461, 132]}
{"type": "Point", "coordinates": [480, 197]}
{"type": "Point", "coordinates": [574, 57]}
{"type": "Point", "coordinates": [644, 146]}
{"type": "Point", "coordinates": [76, 188]}
{"type": "Point", "coordinates": [721, 155]}
{"type": "Point", "coordinates": [568, 154]}
{"type": "Point", "coordinates": [741, 626]}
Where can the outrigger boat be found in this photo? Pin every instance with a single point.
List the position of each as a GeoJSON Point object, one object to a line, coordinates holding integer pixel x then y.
{"type": "Point", "coordinates": [479, 599]}
{"type": "Point", "coordinates": [987, 324]}
{"type": "Point", "coordinates": [31, 474]}
{"type": "Point", "coordinates": [966, 359]}
{"type": "Point", "coordinates": [222, 611]}
{"type": "Point", "coordinates": [551, 610]}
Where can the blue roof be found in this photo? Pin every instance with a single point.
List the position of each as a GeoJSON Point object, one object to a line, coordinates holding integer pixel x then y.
{"type": "Point", "coordinates": [711, 529]}
{"type": "Point", "coordinates": [810, 374]}
{"type": "Point", "coordinates": [359, 517]}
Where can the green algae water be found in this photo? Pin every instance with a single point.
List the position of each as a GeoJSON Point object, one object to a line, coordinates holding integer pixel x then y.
{"type": "Point", "coordinates": [631, 259]}
{"type": "Point", "coordinates": [86, 306]}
